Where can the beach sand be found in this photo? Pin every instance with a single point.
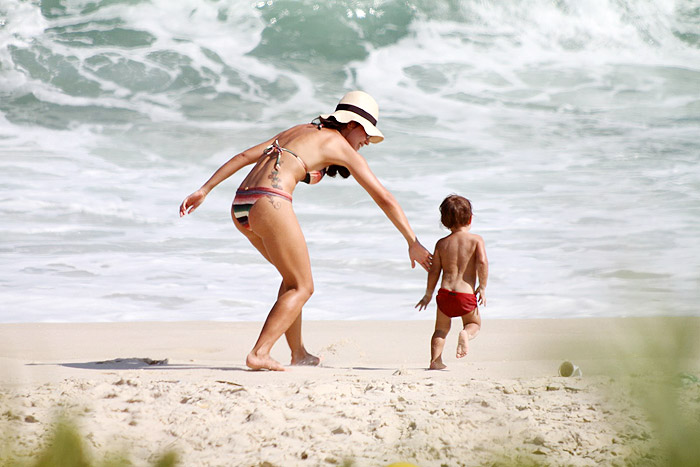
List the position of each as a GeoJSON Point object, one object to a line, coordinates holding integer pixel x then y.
{"type": "Point", "coordinates": [371, 403]}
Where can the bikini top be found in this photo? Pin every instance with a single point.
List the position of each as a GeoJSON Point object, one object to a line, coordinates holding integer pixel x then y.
{"type": "Point", "coordinates": [311, 178]}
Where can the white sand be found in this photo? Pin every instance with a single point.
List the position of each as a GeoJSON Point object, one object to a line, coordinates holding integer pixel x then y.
{"type": "Point", "coordinates": [372, 402]}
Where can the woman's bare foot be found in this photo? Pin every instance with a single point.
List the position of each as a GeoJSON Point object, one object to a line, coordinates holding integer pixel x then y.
{"type": "Point", "coordinates": [437, 365]}
{"type": "Point", "coordinates": [305, 359]}
{"type": "Point", "coordinates": [265, 362]}
{"type": "Point", "coordinates": [463, 344]}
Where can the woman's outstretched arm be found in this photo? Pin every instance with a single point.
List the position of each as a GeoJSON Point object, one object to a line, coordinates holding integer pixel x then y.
{"type": "Point", "coordinates": [236, 163]}
{"type": "Point", "coordinates": [360, 170]}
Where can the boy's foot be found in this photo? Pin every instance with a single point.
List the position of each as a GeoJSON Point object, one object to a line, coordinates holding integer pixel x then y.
{"type": "Point", "coordinates": [263, 363]}
{"type": "Point", "coordinates": [463, 344]}
{"type": "Point", "coordinates": [437, 366]}
{"type": "Point", "coordinates": [306, 360]}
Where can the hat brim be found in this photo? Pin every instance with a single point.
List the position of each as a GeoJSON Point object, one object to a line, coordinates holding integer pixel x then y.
{"type": "Point", "coordinates": [345, 116]}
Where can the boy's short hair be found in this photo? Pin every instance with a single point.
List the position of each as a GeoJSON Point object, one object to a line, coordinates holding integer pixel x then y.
{"type": "Point", "coordinates": [456, 211]}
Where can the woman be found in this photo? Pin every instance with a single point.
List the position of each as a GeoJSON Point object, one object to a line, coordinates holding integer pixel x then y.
{"type": "Point", "coordinates": [262, 209]}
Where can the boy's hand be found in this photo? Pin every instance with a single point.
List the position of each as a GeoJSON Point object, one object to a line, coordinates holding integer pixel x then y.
{"type": "Point", "coordinates": [481, 295]}
{"type": "Point", "coordinates": [423, 304]}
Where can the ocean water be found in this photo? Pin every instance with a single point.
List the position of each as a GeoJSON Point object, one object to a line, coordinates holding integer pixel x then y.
{"type": "Point", "coordinates": [572, 125]}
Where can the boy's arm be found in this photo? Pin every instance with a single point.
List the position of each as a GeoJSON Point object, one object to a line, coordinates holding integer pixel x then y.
{"type": "Point", "coordinates": [482, 270]}
{"type": "Point", "coordinates": [433, 276]}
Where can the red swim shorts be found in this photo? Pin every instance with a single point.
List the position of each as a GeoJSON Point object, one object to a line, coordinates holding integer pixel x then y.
{"type": "Point", "coordinates": [455, 304]}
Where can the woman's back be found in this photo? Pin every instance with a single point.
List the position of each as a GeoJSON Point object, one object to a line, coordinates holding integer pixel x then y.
{"type": "Point", "coordinates": [293, 154]}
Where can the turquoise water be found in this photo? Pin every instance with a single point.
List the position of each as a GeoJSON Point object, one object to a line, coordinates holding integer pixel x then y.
{"type": "Point", "coordinates": [573, 126]}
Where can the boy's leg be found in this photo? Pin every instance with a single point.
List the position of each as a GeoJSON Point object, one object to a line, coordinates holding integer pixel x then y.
{"type": "Point", "coordinates": [471, 325]}
{"type": "Point", "coordinates": [437, 342]}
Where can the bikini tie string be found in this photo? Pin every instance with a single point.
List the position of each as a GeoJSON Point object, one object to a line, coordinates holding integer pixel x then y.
{"type": "Point", "coordinates": [274, 147]}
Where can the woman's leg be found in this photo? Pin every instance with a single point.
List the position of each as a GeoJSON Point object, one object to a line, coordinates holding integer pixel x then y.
{"type": "Point", "coordinates": [283, 244]}
{"type": "Point", "coordinates": [300, 356]}
{"type": "Point", "coordinates": [254, 239]}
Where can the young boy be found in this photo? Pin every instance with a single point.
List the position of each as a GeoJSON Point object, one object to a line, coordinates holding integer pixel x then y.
{"type": "Point", "coordinates": [461, 258]}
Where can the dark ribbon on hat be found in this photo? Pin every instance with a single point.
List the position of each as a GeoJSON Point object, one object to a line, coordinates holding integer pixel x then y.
{"type": "Point", "coordinates": [358, 111]}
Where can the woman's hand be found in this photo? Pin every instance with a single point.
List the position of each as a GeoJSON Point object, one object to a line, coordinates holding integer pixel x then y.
{"type": "Point", "coordinates": [418, 253]}
{"type": "Point", "coordinates": [192, 202]}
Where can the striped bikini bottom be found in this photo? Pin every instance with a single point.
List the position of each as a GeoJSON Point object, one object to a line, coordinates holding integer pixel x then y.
{"type": "Point", "coordinates": [246, 198]}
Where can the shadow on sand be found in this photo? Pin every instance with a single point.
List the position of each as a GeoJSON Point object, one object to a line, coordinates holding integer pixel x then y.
{"type": "Point", "coordinates": [136, 363]}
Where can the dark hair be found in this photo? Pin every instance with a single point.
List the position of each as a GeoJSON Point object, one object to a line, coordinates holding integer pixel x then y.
{"type": "Point", "coordinates": [329, 122]}
{"type": "Point", "coordinates": [333, 124]}
{"type": "Point", "coordinates": [455, 211]}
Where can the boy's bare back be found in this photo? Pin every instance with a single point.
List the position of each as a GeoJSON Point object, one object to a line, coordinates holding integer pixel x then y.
{"type": "Point", "coordinates": [459, 256]}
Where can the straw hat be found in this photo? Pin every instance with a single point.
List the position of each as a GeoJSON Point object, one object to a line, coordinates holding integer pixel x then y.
{"type": "Point", "coordinates": [359, 107]}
